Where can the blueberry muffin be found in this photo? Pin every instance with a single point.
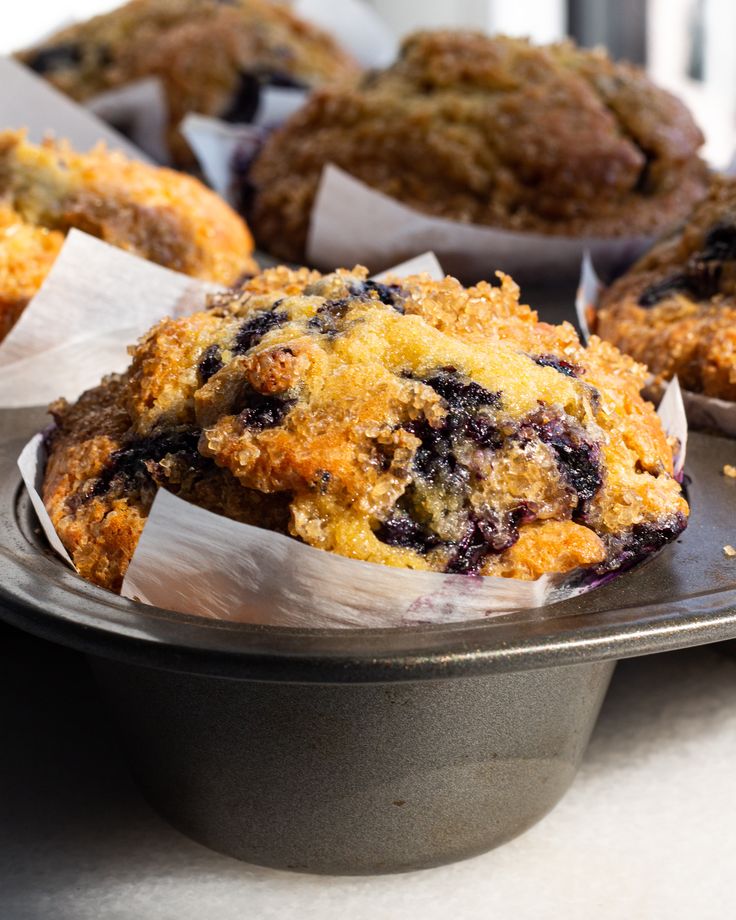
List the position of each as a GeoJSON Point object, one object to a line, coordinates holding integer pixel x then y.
{"type": "Point", "coordinates": [155, 213]}
{"type": "Point", "coordinates": [211, 56]}
{"type": "Point", "coordinates": [675, 309]}
{"type": "Point", "coordinates": [493, 131]}
{"type": "Point", "coordinates": [416, 424]}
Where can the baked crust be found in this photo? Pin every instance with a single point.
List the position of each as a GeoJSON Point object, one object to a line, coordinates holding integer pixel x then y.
{"type": "Point", "coordinates": [155, 213]}
{"type": "Point", "coordinates": [493, 131]}
{"type": "Point", "coordinates": [417, 424]}
{"type": "Point", "coordinates": [210, 56]}
{"type": "Point", "coordinates": [675, 309]}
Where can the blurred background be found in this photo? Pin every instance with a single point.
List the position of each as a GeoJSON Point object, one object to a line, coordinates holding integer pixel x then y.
{"type": "Point", "coordinates": [686, 45]}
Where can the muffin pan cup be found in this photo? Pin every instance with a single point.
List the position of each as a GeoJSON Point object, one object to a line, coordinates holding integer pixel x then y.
{"type": "Point", "coordinates": [365, 751]}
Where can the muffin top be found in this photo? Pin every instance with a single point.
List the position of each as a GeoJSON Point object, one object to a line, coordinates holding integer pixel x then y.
{"type": "Point", "coordinates": [416, 423]}
{"type": "Point", "coordinates": [675, 308]}
{"type": "Point", "coordinates": [211, 56]}
{"type": "Point", "coordinates": [155, 213]}
{"type": "Point", "coordinates": [496, 131]}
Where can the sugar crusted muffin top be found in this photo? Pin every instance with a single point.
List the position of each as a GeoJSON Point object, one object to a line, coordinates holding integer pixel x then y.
{"type": "Point", "coordinates": [675, 308]}
{"type": "Point", "coordinates": [550, 139]}
{"type": "Point", "coordinates": [156, 213]}
{"type": "Point", "coordinates": [211, 56]}
{"type": "Point", "coordinates": [415, 424]}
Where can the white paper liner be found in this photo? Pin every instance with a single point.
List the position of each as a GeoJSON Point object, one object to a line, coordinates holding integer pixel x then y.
{"type": "Point", "coordinates": [32, 463]}
{"type": "Point", "coordinates": [95, 301]}
{"type": "Point", "coordinates": [351, 222]}
{"type": "Point", "coordinates": [425, 264]}
{"type": "Point", "coordinates": [215, 144]}
{"type": "Point", "coordinates": [702, 411]}
{"type": "Point", "coordinates": [218, 144]}
{"type": "Point", "coordinates": [194, 561]}
{"type": "Point", "coordinates": [140, 111]}
{"type": "Point", "coordinates": [28, 101]}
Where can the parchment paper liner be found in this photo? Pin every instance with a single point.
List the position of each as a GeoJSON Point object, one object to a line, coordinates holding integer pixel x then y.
{"type": "Point", "coordinates": [28, 101]}
{"type": "Point", "coordinates": [94, 302]}
{"type": "Point", "coordinates": [194, 561]}
{"type": "Point", "coordinates": [702, 411]}
{"type": "Point", "coordinates": [349, 218]}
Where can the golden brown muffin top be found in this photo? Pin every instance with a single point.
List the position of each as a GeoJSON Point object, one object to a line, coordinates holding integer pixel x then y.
{"type": "Point", "coordinates": [676, 307]}
{"type": "Point", "coordinates": [156, 213]}
{"type": "Point", "coordinates": [414, 423]}
{"type": "Point", "coordinates": [491, 130]}
{"type": "Point", "coordinates": [138, 39]}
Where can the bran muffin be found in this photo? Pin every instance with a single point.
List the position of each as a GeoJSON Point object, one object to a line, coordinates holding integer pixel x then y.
{"type": "Point", "coordinates": [416, 424]}
{"type": "Point", "coordinates": [491, 131]}
{"type": "Point", "coordinates": [159, 214]}
{"type": "Point", "coordinates": [212, 57]}
{"type": "Point", "coordinates": [675, 308]}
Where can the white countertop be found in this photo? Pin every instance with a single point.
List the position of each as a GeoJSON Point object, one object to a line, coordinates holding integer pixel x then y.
{"type": "Point", "coordinates": [648, 830]}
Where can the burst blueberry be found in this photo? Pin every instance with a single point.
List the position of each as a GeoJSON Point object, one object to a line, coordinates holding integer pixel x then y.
{"type": "Point", "coordinates": [256, 326]}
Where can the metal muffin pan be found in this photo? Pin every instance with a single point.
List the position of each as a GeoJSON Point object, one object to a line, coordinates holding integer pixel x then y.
{"type": "Point", "coordinates": [364, 751]}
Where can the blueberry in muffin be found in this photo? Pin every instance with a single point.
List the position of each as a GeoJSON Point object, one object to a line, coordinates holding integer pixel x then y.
{"type": "Point", "coordinates": [212, 57]}
{"type": "Point", "coordinates": [416, 424]}
{"type": "Point", "coordinates": [675, 308]}
{"type": "Point", "coordinates": [491, 131]}
{"type": "Point", "coordinates": [155, 213]}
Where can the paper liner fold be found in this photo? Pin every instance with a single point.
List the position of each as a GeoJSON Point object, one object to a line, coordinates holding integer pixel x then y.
{"type": "Point", "coordinates": [95, 301]}
{"type": "Point", "coordinates": [195, 561]}
{"type": "Point", "coordinates": [216, 144]}
{"type": "Point", "coordinates": [28, 101]}
{"type": "Point", "coordinates": [351, 222]}
{"type": "Point", "coordinates": [32, 464]}
{"type": "Point", "coordinates": [140, 111]}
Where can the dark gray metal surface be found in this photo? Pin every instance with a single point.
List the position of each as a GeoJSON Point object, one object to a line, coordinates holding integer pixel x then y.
{"type": "Point", "coordinates": [354, 779]}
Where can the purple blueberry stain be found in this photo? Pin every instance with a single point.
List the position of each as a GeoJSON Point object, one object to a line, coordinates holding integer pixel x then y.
{"type": "Point", "coordinates": [391, 295]}
{"type": "Point", "coordinates": [210, 363]}
{"type": "Point", "coordinates": [258, 412]}
{"type": "Point", "coordinates": [63, 56]}
{"type": "Point", "coordinates": [326, 321]}
{"type": "Point", "coordinates": [487, 535]}
{"type": "Point", "coordinates": [436, 464]}
{"type": "Point", "coordinates": [256, 326]}
{"type": "Point", "coordinates": [402, 530]}
{"type": "Point", "coordinates": [460, 393]}
{"type": "Point", "coordinates": [133, 464]}
{"type": "Point", "coordinates": [700, 278]}
{"type": "Point", "coordinates": [578, 458]}
{"type": "Point", "coordinates": [559, 364]}
{"type": "Point", "coordinates": [245, 100]}
{"type": "Point", "coordinates": [641, 541]}
{"type": "Point", "coordinates": [720, 243]}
